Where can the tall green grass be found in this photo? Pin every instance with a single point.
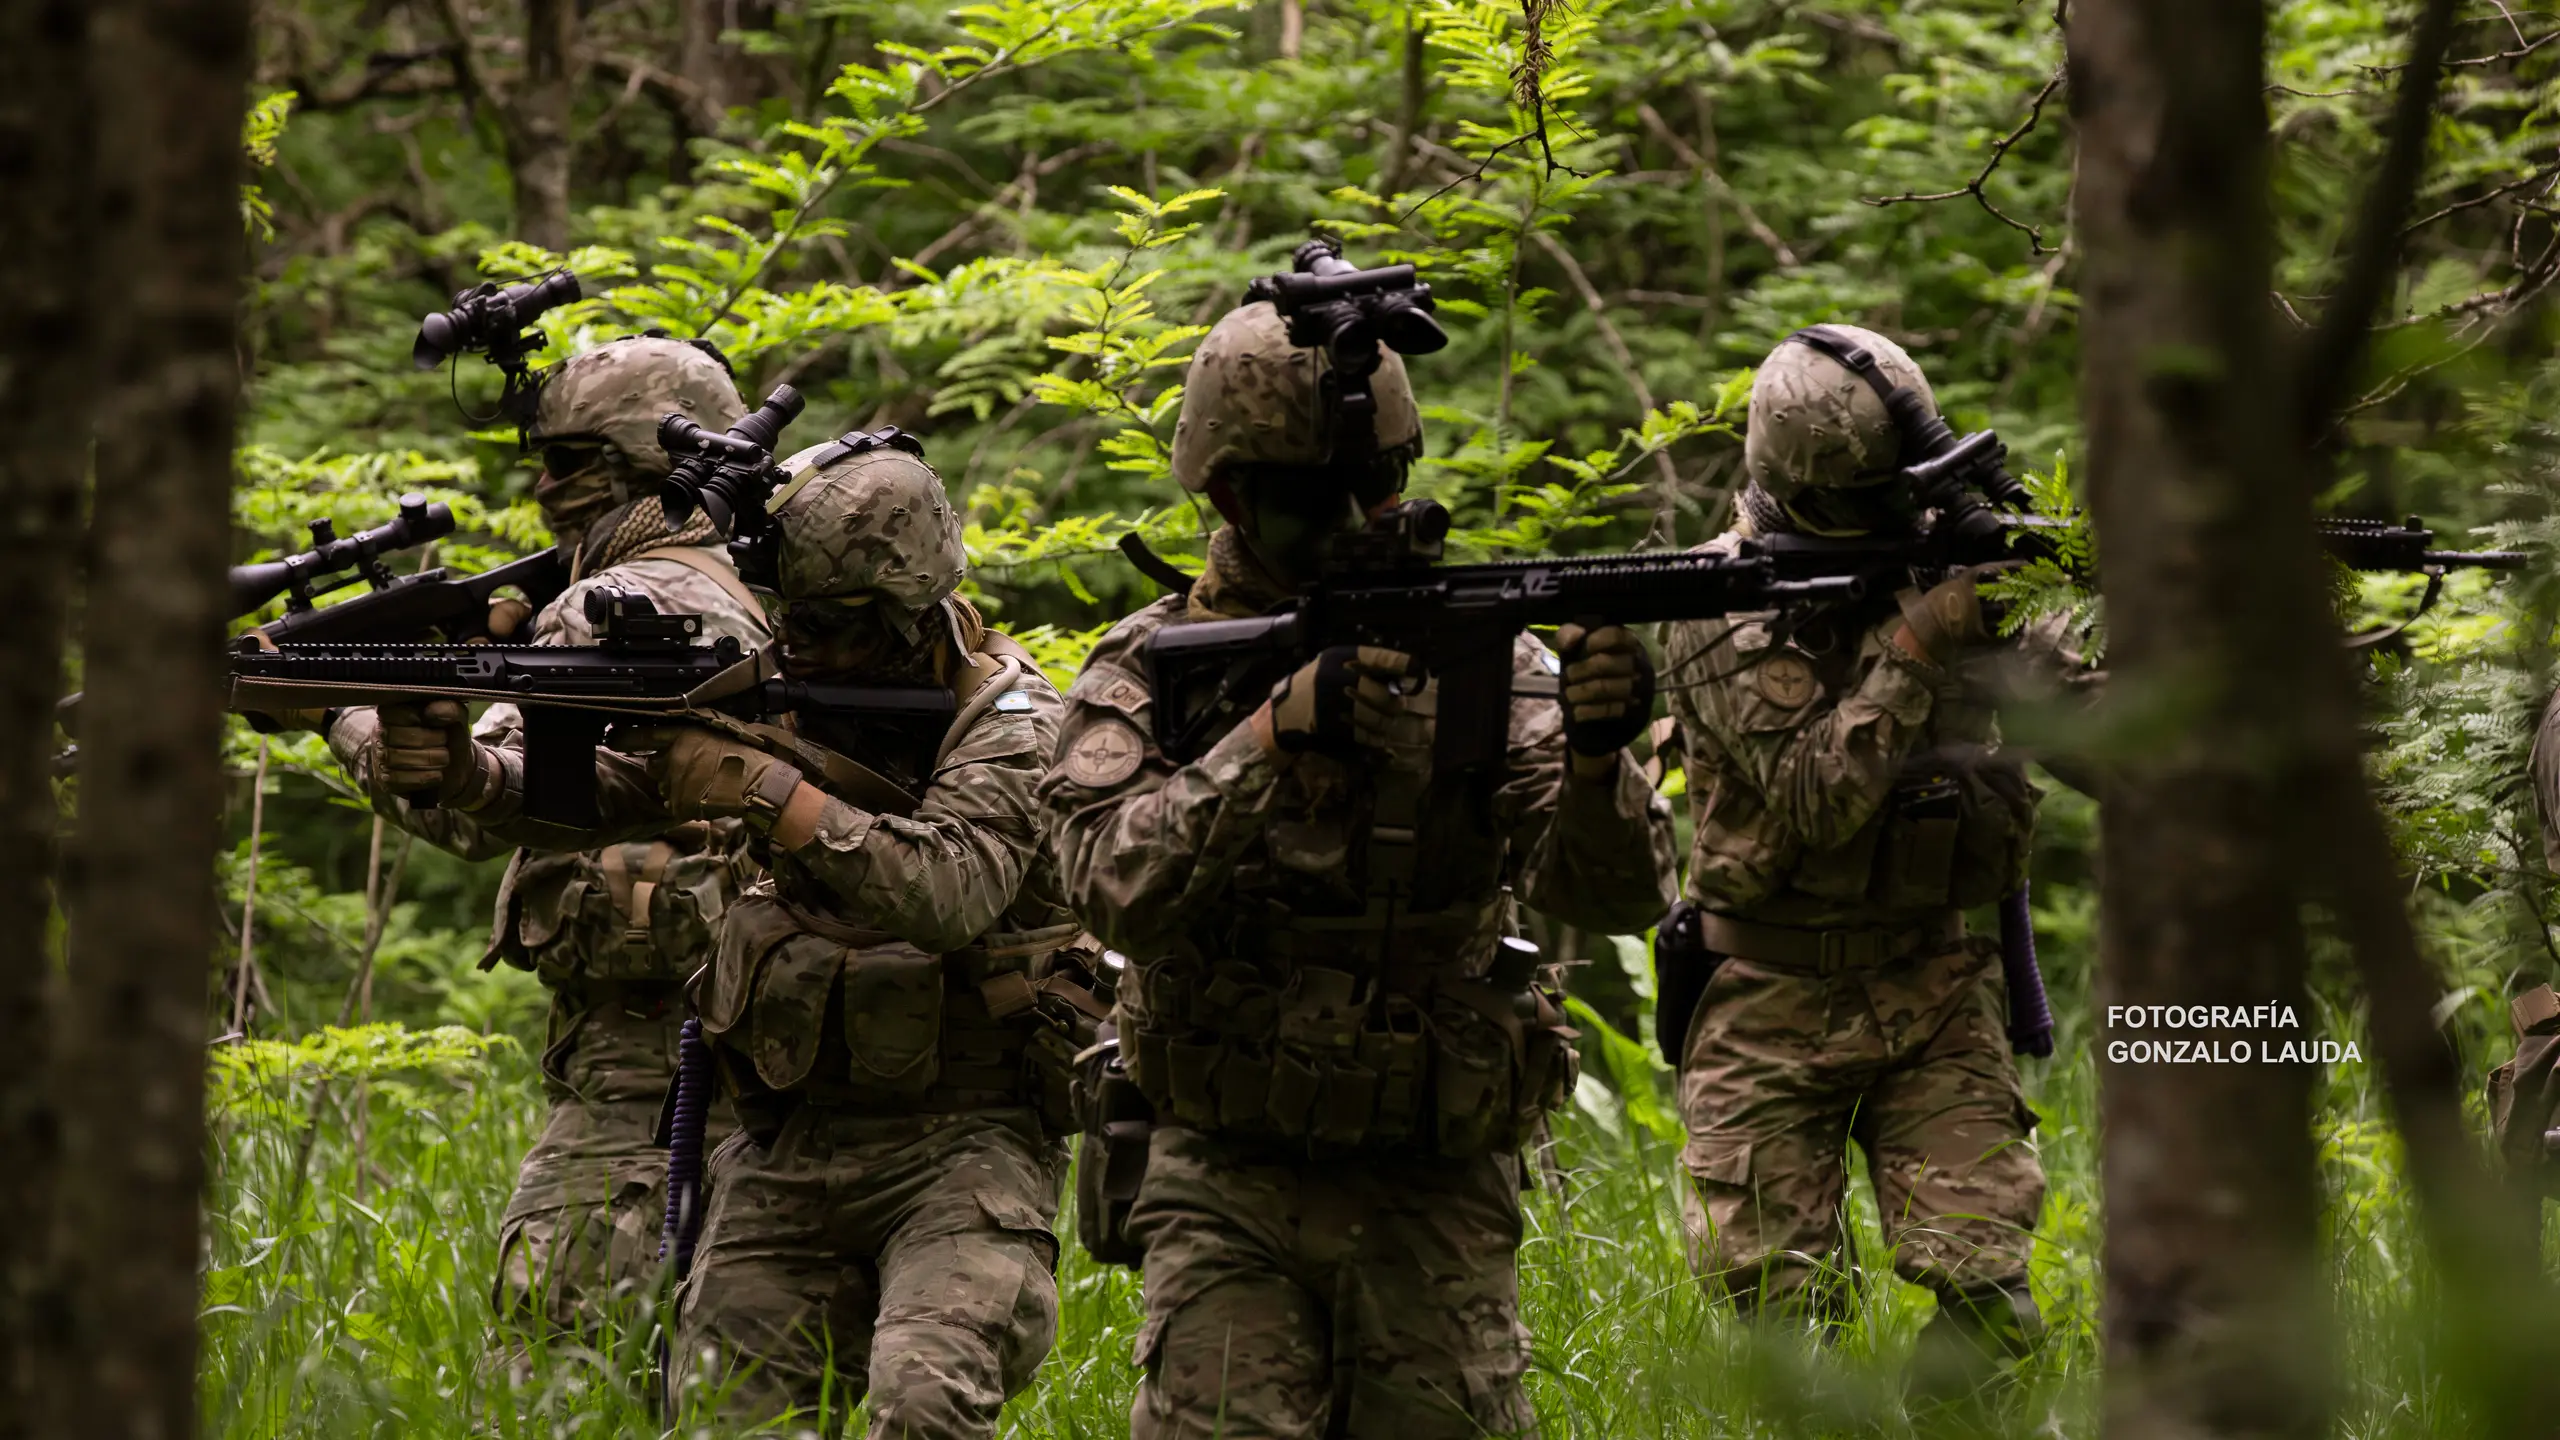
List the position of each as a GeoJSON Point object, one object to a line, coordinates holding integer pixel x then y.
{"type": "Point", "coordinates": [346, 1289]}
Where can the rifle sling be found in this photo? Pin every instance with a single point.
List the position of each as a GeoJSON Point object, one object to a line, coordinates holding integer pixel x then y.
{"type": "Point", "coordinates": [842, 776]}
{"type": "Point", "coordinates": [710, 567]}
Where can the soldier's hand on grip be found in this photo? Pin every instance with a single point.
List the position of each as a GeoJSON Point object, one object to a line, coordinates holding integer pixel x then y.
{"type": "Point", "coordinates": [707, 776]}
{"type": "Point", "coordinates": [427, 748]}
{"type": "Point", "coordinates": [1348, 695]}
{"type": "Point", "coordinates": [1608, 688]}
{"type": "Point", "coordinates": [1949, 619]}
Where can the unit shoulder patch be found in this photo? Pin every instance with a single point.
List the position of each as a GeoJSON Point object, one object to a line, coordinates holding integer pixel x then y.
{"type": "Point", "coordinates": [1106, 754]}
{"type": "Point", "coordinates": [1785, 679]}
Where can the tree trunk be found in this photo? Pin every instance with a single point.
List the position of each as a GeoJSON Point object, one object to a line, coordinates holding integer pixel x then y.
{"type": "Point", "coordinates": [169, 84]}
{"type": "Point", "coordinates": [538, 123]}
{"type": "Point", "coordinates": [2212, 1313]}
{"type": "Point", "coordinates": [47, 373]}
{"type": "Point", "coordinates": [699, 64]}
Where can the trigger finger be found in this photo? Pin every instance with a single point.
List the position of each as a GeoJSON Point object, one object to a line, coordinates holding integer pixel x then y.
{"type": "Point", "coordinates": [1379, 660]}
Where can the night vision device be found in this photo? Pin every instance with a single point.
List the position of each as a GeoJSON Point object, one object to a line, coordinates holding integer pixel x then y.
{"type": "Point", "coordinates": [496, 322]}
{"type": "Point", "coordinates": [1331, 305]}
{"type": "Point", "coordinates": [731, 477]}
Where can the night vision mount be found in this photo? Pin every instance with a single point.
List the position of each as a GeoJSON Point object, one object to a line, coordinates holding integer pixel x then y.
{"type": "Point", "coordinates": [1951, 475]}
{"type": "Point", "coordinates": [1349, 313]}
{"type": "Point", "coordinates": [731, 477]}
{"type": "Point", "coordinates": [496, 322]}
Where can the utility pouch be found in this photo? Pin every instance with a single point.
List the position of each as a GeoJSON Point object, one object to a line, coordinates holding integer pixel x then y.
{"type": "Point", "coordinates": [1349, 1098]}
{"type": "Point", "coordinates": [1244, 1086]}
{"type": "Point", "coordinates": [1471, 1076]}
{"type": "Point", "coordinates": [1394, 1048]}
{"type": "Point", "coordinates": [893, 1017]}
{"type": "Point", "coordinates": [1917, 860]}
{"type": "Point", "coordinates": [1191, 1081]}
{"type": "Point", "coordinates": [1294, 1083]}
{"type": "Point", "coordinates": [1111, 1157]}
{"type": "Point", "coordinates": [1683, 964]}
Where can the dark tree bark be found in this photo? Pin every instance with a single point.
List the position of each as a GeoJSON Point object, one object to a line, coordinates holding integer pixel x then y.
{"type": "Point", "coordinates": [2249, 798]}
{"type": "Point", "coordinates": [538, 140]}
{"type": "Point", "coordinates": [47, 373]}
{"type": "Point", "coordinates": [532, 111]}
{"type": "Point", "coordinates": [169, 83]}
{"type": "Point", "coordinates": [2212, 1312]}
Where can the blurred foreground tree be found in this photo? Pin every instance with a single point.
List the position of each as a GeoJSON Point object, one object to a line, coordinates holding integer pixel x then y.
{"type": "Point", "coordinates": [47, 373]}
{"type": "Point", "coordinates": [2239, 795]}
{"type": "Point", "coordinates": [166, 92]}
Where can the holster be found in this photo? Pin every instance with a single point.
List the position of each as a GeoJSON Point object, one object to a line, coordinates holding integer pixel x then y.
{"type": "Point", "coordinates": [1682, 965]}
{"type": "Point", "coordinates": [1111, 1155]}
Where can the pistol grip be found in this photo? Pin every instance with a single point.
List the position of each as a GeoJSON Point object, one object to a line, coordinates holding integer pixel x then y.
{"type": "Point", "coordinates": [560, 764]}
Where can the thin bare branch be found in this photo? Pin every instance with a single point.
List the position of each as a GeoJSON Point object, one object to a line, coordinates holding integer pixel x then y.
{"type": "Point", "coordinates": [2337, 346]}
{"type": "Point", "coordinates": [1999, 151]}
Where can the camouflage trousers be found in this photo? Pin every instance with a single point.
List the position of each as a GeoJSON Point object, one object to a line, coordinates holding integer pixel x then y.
{"type": "Point", "coordinates": [906, 1257]}
{"type": "Point", "coordinates": [1295, 1299]}
{"type": "Point", "coordinates": [1910, 1059]}
{"type": "Point", "coordinates": [578, 1251]}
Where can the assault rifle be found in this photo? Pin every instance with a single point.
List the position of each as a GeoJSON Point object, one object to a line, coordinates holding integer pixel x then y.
{"type": "Point", "coordinates": [1383, 586]}
{"type": "Point", "coordinates": [646, 668]}
{"type": "Point", "coordinates": [1977, 535]}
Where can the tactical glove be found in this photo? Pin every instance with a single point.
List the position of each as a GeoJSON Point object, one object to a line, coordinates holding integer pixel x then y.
{"type": "Point", "coordinates": [1345, 697]}
{"type": "Point", "coordinates": [507, 616]}
{"type": "Point", "coordinates": [1951, 617]}
{"type": "Point", "coordinates": [427, 749]}
{"type": "Point", "coordinates": [1608, 688]}
{"type": "Point", "coordinates": [704, 775]}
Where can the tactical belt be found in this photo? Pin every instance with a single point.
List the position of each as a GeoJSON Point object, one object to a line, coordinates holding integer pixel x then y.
{"type": "Point", "coordinates": [1824, 952]}
{"type": "Point", "coordinates": [640, 999]}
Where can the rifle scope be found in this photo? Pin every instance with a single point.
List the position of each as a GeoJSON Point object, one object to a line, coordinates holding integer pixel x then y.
{"type": "Point", "coordinates": [490, 320]}
{"type": "Point", "coordinates": [729, 476]}
{"type": "Point", "coordinates": [419, 521]}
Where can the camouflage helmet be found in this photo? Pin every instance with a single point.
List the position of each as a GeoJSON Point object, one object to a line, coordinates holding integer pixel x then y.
{"type": "Point", "coordinates": [1816, 424]}
{"type": "Point", "coordinates": [1252, 398]}
{"type": "Point", "coordinates": [618, 393]}
{"type": "Point", "coordinates": [876, 522]}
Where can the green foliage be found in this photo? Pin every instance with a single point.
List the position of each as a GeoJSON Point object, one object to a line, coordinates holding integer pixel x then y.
{"type": "Point", "coordinates": [258, 132]}
{"type": "Point", "coordinates": [1004, 226]}
{"type": "Point", "coordinates": [2061, 578]}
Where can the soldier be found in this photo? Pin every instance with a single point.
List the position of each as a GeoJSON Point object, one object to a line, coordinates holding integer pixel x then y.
{"type": "Point", "coordinates": [1850, 804]}
{"type": "Point", "coordinates": [612, 932]}
{"type": "Point", "coordinates": [2524, 1093]}
{"type": "Point", "coordinates": [1331, 1204]}
{"type": "Point", "coordinates": [892, 1010]}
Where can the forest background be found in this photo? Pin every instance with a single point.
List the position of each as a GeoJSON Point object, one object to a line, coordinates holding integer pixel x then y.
{"type": "Point", "coordinates": [1003, 226]}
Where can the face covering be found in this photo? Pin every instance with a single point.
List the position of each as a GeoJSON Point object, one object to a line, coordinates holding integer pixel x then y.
{"type": "Point", "coordinates": [1294, 513]}
{"type": "Point", "coordinates": [573, 501]}
{"type": "Point", "coordinates": [829, 639]}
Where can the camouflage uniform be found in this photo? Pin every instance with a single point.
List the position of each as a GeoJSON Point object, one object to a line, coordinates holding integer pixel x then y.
{"type": "Point", "coordinates": [1330, 1210]}
{"type": "Point", "coordinates": [886, 1008]}
{"type": "Point", "coordinates": [1849, 804]}
{"type": "Point", "coordinates": [2524, 1092]}
{"type": "Point", "coordinates": [612, 932]}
